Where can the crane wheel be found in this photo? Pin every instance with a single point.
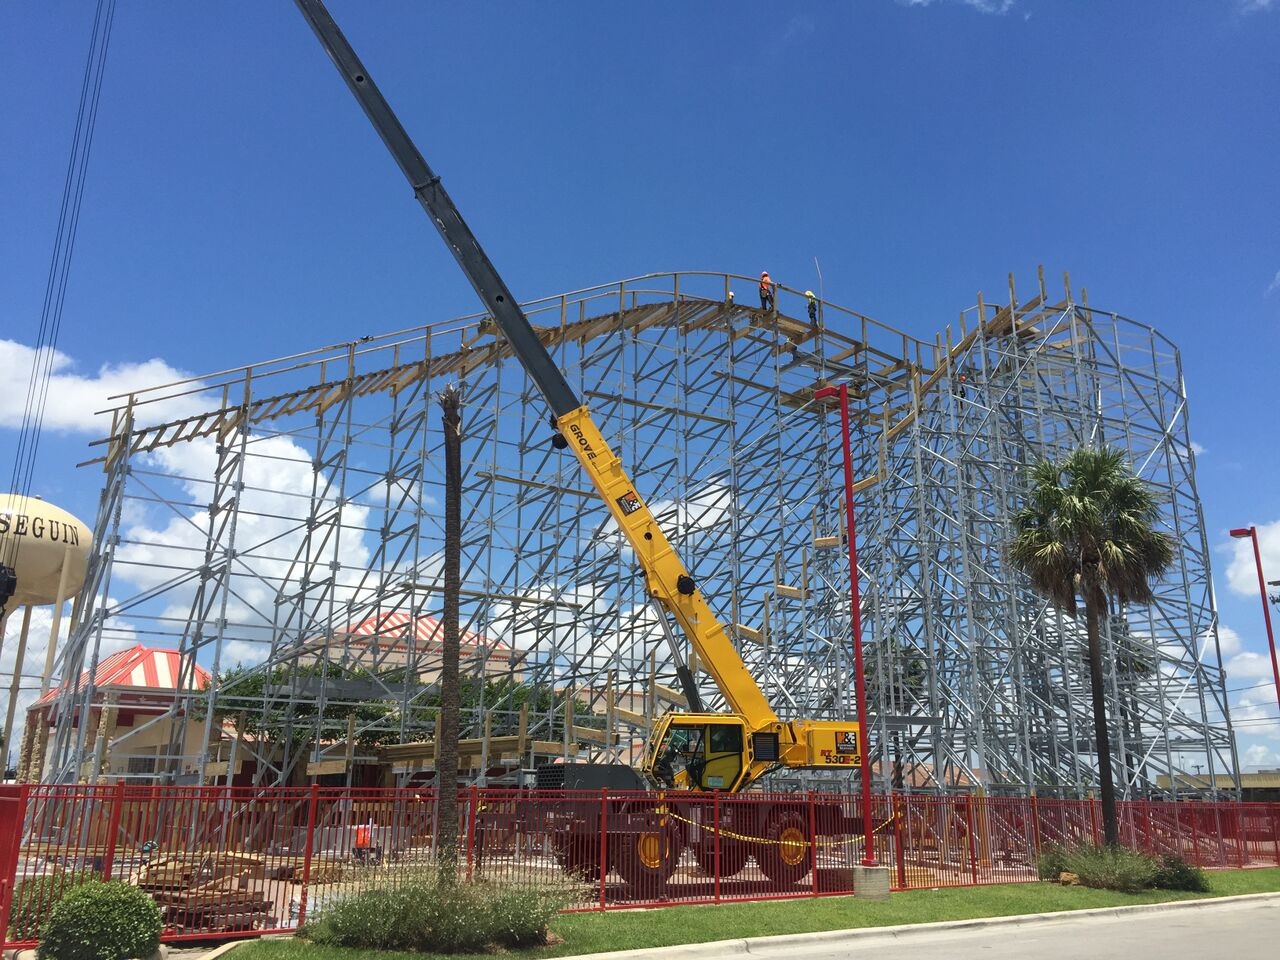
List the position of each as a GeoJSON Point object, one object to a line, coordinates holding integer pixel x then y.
{"type": "Point", "coordinates": [648, 858]}
{"type": "Point", "coordinates": [786, 857]}
{"type": "Point", "coordinates": [579, 857]}
{"type": "Point", "coordinates": [733, 857]}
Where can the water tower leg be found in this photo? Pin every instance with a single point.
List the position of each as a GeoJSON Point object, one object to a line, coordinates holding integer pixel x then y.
{"type": "Point", "coordinates": [52, 650]}
{"type": "Point", "coordinates": [13, 686]}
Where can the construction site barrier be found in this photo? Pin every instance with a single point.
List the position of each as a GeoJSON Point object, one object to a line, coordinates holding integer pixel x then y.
{"type": "Point", "coordinates": [225, 862]}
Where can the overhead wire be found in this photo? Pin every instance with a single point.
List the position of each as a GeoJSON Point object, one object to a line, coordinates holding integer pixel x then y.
{"type": "Point", "coordinates": [45, 348]}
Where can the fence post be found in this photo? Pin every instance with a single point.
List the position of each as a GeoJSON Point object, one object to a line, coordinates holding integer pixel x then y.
{"type": "Point", "coordinates": [313, 801]}
{"type": "Point", "coordinates": [1275, 830]}
{"type": "Point", "coordinates": [1035, 830]}
{"type": "Point", "coordinates": [715, 823]}
{"type": "Point", "coordinates": [973, 855]}
{"type": "Point", "coordinates": [1195, 832]}
{"type": "Point", "coordinates": [604, 842]}
{"type": "Point", "coordinates": [13, 815]}
{"type": "Point", "coordinates": [901, 856]}
{"type": "Point", "coordinates": [1150, 845]}
{"type": "Point", "coordinates": [1093, 819]}
{"type": "Point", "coordinates": [113, 830]}
{"type": "Point", "coordinates": [813, 844]}
{"type": "Point", "coordinates": [1242, 834]}
{"type": "Point", "coordinates": [471, 827]}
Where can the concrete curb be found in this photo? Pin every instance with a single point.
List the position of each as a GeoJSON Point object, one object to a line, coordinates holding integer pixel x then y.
{"type": "Point", "coordinates": [721, 948]}
{"type": "Point", "coordinates": [223, 949]}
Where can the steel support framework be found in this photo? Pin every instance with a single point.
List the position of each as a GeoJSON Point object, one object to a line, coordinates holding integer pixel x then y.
{"type": "Point", "coordinates": [252, 516]}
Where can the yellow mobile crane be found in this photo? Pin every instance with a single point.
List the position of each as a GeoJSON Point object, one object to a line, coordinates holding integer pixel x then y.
{"type": "Point", "coordinates": [695, 751]}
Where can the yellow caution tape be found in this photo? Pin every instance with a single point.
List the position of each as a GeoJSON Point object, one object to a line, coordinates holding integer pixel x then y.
{"type": "Point", "coordinates": [721, 831]}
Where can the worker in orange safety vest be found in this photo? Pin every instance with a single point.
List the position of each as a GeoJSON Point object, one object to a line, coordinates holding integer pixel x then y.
{"type": "Point", "coordinates": [767, 286]}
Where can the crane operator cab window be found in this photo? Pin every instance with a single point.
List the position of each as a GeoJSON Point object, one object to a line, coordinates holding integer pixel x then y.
{"type": "Point", "coordinates": [709, 755]}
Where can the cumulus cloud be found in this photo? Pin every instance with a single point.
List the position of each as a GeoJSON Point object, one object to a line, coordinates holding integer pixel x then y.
{"type": "Point", "coordinates": [74, 397]}
{"type": "Point", "coordinates": [271, 540]}
{"type": "Point", "coordinates": [1260, 755]}
{"type": "Point", "coordinates": [1242, 569]}
{"type": "Point", "coordinates": [1228, 641]}
{"type": "Point", "coordinates": [1197, 449]}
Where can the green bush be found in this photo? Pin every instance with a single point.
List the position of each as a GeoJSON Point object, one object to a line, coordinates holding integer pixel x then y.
{"type": "Point", "coordinates": [1052, 861]}
{"type": "Point", "coordinates": [1107, 868]}
{"type": "Point", "coordinates": [1175, 873]}
{"type": "Point", "coordinates": [102, 921]}
{"type": "Point", "coordinates": [426, 914]}
{"type": "Point", "coordinates": [34, 898]}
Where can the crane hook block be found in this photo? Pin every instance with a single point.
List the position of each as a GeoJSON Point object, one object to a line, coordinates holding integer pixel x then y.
{"type": "Point", "coordinates": [686, 585]}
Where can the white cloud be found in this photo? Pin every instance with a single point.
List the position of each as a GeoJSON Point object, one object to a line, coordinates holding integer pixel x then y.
{"type": "Point", "coordinates": [1254, 714]}
{"type": "Point", "coordinates": [270, 539]}
{"type": "Point", "coordinates": [74, 397]}
{"type": "Point", "coordinates": [1242, 569]}
{"type": "Point", "coordinates": [1259, 6]}
{"type": "Point", "coordinates": [982, 6]}
{"type": "Point", "coordinates": [1260, 755]}
{"type": "Point", "coordinates": [799, 26]}
{"type": "Point", "coordinates": [1275, 283]}
{"type": "Point", "coordinates": [1228, 641]}
{"type": "Point", "coordinates": [1197, 449]}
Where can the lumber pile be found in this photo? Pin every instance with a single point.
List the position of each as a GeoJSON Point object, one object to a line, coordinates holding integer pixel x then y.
{"type": "Point", "coordinates": [208, 895]}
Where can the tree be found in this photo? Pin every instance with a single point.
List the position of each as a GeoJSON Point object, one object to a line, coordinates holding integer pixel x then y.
{"type": "Point", "coordinates": [447, 731]}
{"type": "Point", "coordinates": [1087, 530]}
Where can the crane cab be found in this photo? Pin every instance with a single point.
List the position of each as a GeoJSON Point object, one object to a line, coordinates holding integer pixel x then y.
{"type": "Point", "coordinates": [701, 751]}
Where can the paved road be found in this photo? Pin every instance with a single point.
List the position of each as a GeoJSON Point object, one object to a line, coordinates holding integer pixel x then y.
{"type": "Point", "coordinates": [1231, 931]}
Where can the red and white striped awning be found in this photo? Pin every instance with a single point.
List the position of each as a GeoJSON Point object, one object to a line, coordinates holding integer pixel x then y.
{"type": "Point", "coordinates": [399, 631]}
{"type": "Point", "coordinates": [140, 668]}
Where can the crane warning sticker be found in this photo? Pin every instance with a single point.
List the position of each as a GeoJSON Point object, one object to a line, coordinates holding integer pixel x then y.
{"type": "Point", "coordinates": [629, 503]}
{"type": "Point", "coordinates": [847, 741]}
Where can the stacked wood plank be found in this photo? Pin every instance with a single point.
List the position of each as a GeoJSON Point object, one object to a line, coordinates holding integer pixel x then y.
{"type": "Point", "coordinates": [208, 895]}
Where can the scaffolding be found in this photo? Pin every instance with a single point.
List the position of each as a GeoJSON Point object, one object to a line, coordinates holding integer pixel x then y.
{"type": "Point", "coordinates": [279, 525]}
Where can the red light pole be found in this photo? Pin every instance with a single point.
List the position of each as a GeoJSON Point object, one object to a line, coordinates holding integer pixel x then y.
{"type": "Point", "coordinates": [841, 393]}
{"type": "Point", "coordinates": [1252, 534]}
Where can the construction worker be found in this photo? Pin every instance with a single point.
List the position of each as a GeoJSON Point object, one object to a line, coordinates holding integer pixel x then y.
{"type": "Point", "coordinates": [813, 306]}
{"type": "Point", "coordinates": [767, 286]}
{"type": "Point", "coordinates": [959, 387]}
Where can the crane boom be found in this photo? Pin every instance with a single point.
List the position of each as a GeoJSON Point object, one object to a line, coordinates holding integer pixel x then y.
{"type": "Point", "coordinates": [666, 578]}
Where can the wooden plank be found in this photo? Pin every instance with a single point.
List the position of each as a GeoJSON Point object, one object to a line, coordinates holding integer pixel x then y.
{"type": "Point", "coordinates": [670, 695]}
{"type": "Point", "coordinates": [631, 717]}
{"type": "Point", "coordinates": [321, 768]}
{"type": "Point", "coordinates": [592, 735]}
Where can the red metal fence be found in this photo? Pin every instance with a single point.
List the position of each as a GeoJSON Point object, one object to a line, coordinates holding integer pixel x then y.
{"type": "Point", "coordinates": [226, 862]}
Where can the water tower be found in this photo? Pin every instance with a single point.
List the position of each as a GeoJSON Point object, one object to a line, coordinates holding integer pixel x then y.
{"type": "Point", "coordinates": [43, 555]}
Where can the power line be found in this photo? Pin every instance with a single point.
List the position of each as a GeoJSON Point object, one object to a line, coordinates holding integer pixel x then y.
{"type": "Point", "coordinates": [55, 294]}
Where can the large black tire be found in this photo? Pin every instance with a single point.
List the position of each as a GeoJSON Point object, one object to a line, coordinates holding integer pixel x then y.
{"type": "Point", "coordinates": [579, 856]}
{"type": "Point", "coordinates": [787, 857]}
{"type": "Point", "coordinates": [647, 859]}
{"type": "Point", "coordinates": [733, 856]}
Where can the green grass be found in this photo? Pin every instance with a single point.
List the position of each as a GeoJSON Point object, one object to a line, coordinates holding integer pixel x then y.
{"type": "Point", "coordinates": [630, 929]}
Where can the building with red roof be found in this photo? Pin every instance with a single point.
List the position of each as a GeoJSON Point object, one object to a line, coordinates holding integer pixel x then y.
{"type": "Point", "coordinates": [137, 699]}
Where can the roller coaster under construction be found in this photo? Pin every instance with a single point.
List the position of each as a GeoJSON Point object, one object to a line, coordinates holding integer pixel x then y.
{"type": "Point", "coordinates": [279, 526]}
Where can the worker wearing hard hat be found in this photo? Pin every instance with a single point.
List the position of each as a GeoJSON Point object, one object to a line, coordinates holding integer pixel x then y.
{"type": "Point", "coordinates": [767, 286]}
{"type": "Point", "coordinates": [813, 306]}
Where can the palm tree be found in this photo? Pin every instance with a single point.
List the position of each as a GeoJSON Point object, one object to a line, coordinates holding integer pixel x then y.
{"type": "Point", "coordinates": [447, 728]}
{"type": "Point", "coordinates": [1087, 530]}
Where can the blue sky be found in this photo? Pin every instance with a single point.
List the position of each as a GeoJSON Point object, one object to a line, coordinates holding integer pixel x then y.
{"type": "Point", "coordinates": [238, 206]}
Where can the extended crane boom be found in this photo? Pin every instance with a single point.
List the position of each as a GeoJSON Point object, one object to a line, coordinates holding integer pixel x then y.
{"type": "Point", "coordinates": [768, 741]}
